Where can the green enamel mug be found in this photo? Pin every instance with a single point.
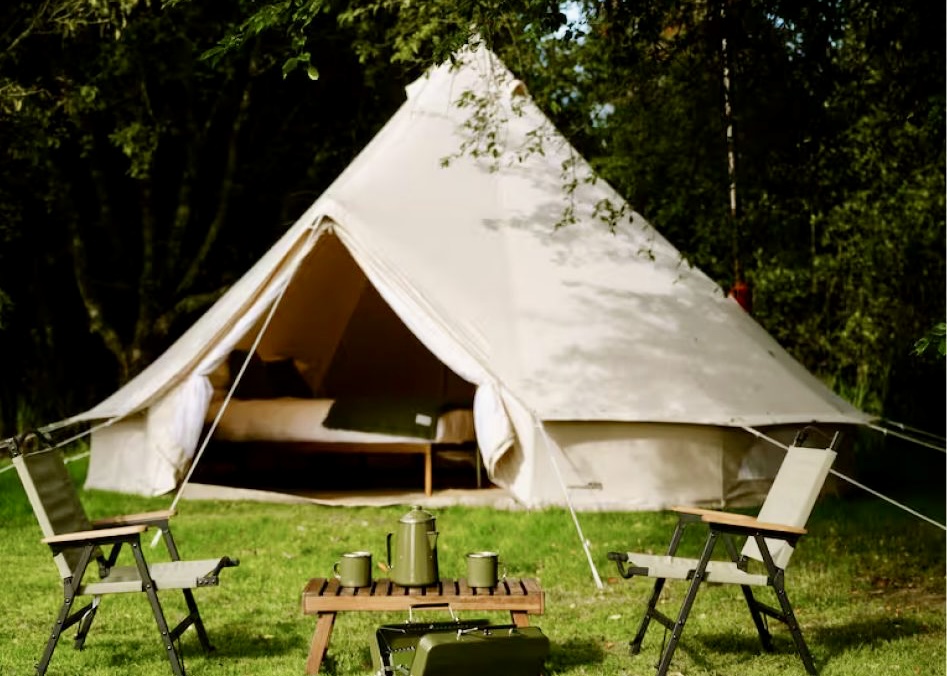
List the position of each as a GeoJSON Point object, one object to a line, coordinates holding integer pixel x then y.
{"type": "Point", "coordinates": [483, 569]}
{"type": "Point", "coordinates": [354, 569]}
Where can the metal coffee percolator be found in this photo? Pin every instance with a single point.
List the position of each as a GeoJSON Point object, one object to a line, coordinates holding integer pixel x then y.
{"type": "Point", "coordinates": [415, 550]}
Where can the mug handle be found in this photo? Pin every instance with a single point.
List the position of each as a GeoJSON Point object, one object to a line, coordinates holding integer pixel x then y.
{"type": "Point", "coordinates": [335, 570]}
{"type": "Point", "coordinates": [502, 565]}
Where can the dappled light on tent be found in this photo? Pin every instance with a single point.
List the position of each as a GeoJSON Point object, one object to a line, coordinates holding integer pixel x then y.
{"type": "Point", "coordinates": [608, 372]}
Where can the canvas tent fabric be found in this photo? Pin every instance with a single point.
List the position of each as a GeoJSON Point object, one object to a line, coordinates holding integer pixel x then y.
{"type": "Point", "coordinates": [599, 356]}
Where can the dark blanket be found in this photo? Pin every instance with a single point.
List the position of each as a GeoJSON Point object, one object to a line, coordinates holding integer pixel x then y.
{"type": "Point", "coordinates": [399, 416]}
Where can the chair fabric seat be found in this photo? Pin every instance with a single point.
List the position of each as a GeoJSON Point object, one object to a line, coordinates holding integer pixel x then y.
{"type": "Point", "coordinates": [677, 568]}
{"type": "Point", "coordinates": [167, 575]}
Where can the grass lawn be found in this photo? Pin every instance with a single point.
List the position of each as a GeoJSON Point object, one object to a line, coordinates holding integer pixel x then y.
{"type": "Point", "coordinates": [867, 585]}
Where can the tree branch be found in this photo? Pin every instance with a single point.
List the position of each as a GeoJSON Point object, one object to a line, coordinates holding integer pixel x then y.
{"type": "Point", "coordinates": [187, 305]}
{"type": "Point", "coordinates": [226, 187]}
{"type": "Point", "coordinates": [97, 323]}
{"type": "Point", "coordinates": [147, 287]}
{"type": "Point", "coordinates": [26, 32]}
{"type": "Point", "coordinates": [182, 214]}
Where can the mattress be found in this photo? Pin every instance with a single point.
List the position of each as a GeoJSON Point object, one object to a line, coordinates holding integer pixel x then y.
{"type": "Point", "coordinates": [301, 420]}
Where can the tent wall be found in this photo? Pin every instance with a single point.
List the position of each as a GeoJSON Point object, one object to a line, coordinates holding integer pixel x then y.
{"type": "Point", "coordinates": [641, 466]}
{"type": "Point", "coordinates": [314, 311]}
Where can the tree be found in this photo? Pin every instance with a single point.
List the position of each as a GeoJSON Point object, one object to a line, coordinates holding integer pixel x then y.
{"type": "Point", "coordinates": [872, 280]}
{"type": "Point", "coordinates": [143, 174]}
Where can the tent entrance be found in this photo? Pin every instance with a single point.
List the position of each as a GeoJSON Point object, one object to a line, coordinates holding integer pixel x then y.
{"type": "Point", "coordinates": [341, 343]}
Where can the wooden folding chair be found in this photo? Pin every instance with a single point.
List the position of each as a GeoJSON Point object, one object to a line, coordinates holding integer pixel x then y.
{"type": "Point", "coordinates": [770, 539]}
{"type": "Point", "coordinates": [75, 542]}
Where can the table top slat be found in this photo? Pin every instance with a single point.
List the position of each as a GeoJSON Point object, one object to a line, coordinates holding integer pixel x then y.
{"type": "Point", "coordinates": [321, 595]}
{"type": "Point", "coordinates": [315, 586]}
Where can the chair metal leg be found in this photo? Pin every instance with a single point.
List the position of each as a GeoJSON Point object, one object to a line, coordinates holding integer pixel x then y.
{"type": "Point", "coordinates": [689, 598]}
{"type": "Point", "coordinates": [87, 617]}
{"type": "Point", "coordinates": [778, 577]}
{"type": "Point", "coordinates": [635, 644]}
{"type": "Point", "coordinates": [790, 619]}
{"type": "Point", "coordinates": [65, 620]}
{"type": "Point", "coordinates": [58, 626]}
{"type": "Point", "coordinates": [177, 666]}
{"type": "Point", "coordinates": [765, 637]}
{"type": "Point", "coordinates": [651, 612]}
{"type": "Point", "coordinates": [194, 616]}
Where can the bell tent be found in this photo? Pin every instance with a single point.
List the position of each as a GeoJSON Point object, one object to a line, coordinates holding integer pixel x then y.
{"type": "Point", "coordinates": [597, 360]}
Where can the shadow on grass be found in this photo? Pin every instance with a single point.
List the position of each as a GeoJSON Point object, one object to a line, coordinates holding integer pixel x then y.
{"type": "Point", "coordinates": [233, 642]}
{"type": "Point", "coordinates": [838, 639]}
{"type": "Point", "coordinates": [702, 648]}
{"type": "Point", "coordinates": [227, 642]}
{"type": "Point", "coordinates": [239, 640]}
{"type": "Point", "coordinates": [564, 655]}
{"type": "Point", "coordinates": [825, 641]}
{"type": "Point", "coordinates": [748, 644]}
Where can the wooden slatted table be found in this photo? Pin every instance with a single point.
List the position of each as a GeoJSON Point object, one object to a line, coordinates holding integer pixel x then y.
{"type": "Point", "coordinates": [324, 598]}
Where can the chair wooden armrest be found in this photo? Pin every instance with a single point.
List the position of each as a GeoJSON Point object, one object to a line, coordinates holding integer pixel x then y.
{"type": "Point", "coordinates": [131, 519]}
{"type": "Point", "coordinates": [700, 511]}
{"type": "Point", "coordinates": [749, 525]}
{"type": "Point", "coordinates": [100, 536]}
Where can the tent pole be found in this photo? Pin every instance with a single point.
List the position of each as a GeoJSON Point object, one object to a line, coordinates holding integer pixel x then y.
{"type": "Point", "coordinates": [731, 141]}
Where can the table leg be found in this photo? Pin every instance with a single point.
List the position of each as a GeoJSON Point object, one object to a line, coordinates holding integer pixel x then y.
{"type": "Point", "coordinates": [320, 642]}
{"type": "Point", "coordinates": [520, 618]}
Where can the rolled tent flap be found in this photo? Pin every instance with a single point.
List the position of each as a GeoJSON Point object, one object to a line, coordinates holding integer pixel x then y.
{"type": "Point", "coordinates": [165, 440]}
{"type": "Point", "coordinates": [494, 429]}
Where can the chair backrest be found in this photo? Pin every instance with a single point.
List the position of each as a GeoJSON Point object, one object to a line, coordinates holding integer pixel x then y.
{"type": "Point", "coordinates": [790, 500]}
{"type": "Point", "coordinates": [54, 499]}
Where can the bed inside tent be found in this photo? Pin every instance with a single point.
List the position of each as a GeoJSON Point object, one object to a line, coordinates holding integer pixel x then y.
{"type": "Point", "coordinates": [339, 395]}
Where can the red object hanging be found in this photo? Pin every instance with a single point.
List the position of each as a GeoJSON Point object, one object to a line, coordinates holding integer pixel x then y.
{"type": "Point", "coordinates": [740, 292]}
